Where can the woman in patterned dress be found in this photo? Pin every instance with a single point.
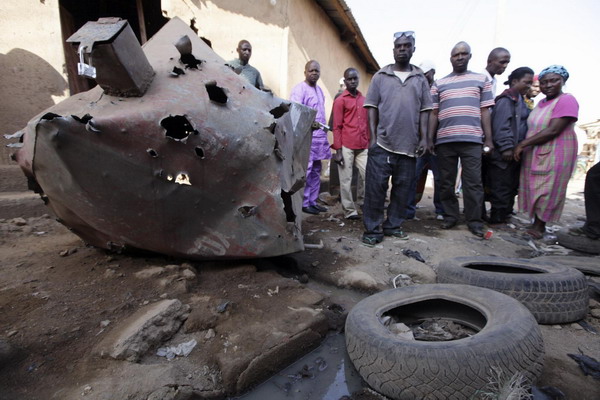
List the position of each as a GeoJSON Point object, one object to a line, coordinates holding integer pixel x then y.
{"type": "Point", "coordinates": [548, 153]}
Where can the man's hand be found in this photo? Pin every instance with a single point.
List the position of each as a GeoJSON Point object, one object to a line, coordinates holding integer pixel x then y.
{"type": "Point", "coordinates": [338, 157]}
{"type": "Point", "coordinates": [517, 152]}
{"type": "Point", "coordinates": [422, 147]}
{"type": "Point", "coordinates": [507, 155]}
{"type": "Point", "coordinates": [490, 146]}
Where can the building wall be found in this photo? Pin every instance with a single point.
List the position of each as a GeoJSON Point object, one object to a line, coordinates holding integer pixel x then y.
{"type": "Point", "coordinates": [285, 34]}
{"type": "Point", "coordinates": [31, 62]}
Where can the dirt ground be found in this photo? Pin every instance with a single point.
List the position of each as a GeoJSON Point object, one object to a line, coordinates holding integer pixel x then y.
{"type": "Point", "coordinates": [59, 300]}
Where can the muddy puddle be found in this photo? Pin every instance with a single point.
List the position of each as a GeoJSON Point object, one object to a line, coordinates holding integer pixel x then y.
{"type": "Point", "coordinates": [324, 374]}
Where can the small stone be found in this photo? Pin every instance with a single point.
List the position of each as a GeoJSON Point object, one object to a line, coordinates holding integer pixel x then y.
{"type": "Point", "coordinates": [163, 296]}
{"type": "Point", "coordinates": [386, 264]}
{"type": "Point", "coordinates": [86, 390]}
{"type": "Point", "coordinates": [315, 263]}
{"type": "Point", "coordinates": [145, 303]}
{"type": "Point", "coordinates": [557, 326]}
{"type": "Point", "coordinates": [150, 272]}
{"type": "Point", "coordinates": [188, 275]}
{"type": "Point", "coordinates": [11, 333]}
{"type": "Point", "coordinates": [19, 221]}
{"type": "Point", "coordinates": [68, 252]}
{"type": "Point", "coordinates": [576, 326]}
{"type": "Point", "coordinates": [595, 313]}
{"type": "Point", "coordinates": [303, 278]}
{"type": "Point", "coordinates": [594, 304]}
{"type": "Point", "coordinates": [210, 334]}
{"type": "Point", "coordinates": [172, 268]}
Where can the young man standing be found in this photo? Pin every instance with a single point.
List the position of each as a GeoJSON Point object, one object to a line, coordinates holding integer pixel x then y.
{"type": "Point", "coordinates": [461, 119]}
{"type": "Point", "coordinates": [350, 141]}
{"type": "Point", "coordinates": [497, 62]}
{"type": "Point", "coordinates": [398, 103]}
{"type": "Point", "coordinates": [311, 95]}
{"type": "Point", "coordinates": [241, 67]}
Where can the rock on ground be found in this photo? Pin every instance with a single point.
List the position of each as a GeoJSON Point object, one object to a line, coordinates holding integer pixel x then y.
{"type": "Point", "coordinates": [148, 327]}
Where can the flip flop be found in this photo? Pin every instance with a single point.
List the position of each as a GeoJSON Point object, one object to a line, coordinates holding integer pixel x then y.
{"type": "Point", "coordinates": [535, 235]}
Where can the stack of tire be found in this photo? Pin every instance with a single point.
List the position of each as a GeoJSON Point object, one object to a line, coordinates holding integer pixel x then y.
{"type": "Point", "coordinates": [503, 300]}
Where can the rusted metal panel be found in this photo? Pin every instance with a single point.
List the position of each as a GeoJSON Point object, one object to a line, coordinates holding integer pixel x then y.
{"type": "Point", "coordinates": [110, 53]}
{"type": "Point", "coordinates": [203, 165]}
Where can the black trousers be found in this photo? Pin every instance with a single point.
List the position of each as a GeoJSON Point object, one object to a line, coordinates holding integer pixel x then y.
{"type": "Point", "coordinates": [591, 194]}
{"type": "Point", "coordinates": [470, 158]}
{"type": "Point", "coordinates": [503, 185]}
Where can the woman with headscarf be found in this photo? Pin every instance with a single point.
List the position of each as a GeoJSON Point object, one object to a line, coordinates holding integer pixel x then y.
{"type": "Point", "coordinates": [549, 152]}
{"type": "Point", "coordinates": [509, 127]}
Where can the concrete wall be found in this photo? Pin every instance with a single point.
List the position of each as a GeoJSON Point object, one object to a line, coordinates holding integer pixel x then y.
{"type": "Point", "coordinates": [313, 36]}
{"type": "Point", "coordinates": [284, 34]}
{"type": "Point", "coordinates": [31, 63]}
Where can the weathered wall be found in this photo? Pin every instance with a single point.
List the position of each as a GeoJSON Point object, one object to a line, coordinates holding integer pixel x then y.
{"type": "Point", "coordinates": [284, 36]}
{"type": "Point", "coordinates": [226, 22]}
{"type": "Point", "coordinates": [313, 36]}
{"type": "Point", "coordinates": [31, 62]}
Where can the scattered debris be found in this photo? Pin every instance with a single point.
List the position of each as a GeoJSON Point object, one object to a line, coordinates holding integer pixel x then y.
{"type": "Point", "coordinates": [221, 308]}
{"type": "Point", "coordinates": [68, 252]}
{"type": "Point", "coordinates": [547, 393]}
{"type": "Point", "coordinates": [182, 349]}
{"type": "Point", "coordinates": [402, 280]}
{"type": "Point", "coordinates": [413, 254]}
{"type": "Point", "coordinates": [589, 366]}
{"type": "Point", "coordinates": [320, 245]}
{"type": "Point", "coordinates": [440, 329]}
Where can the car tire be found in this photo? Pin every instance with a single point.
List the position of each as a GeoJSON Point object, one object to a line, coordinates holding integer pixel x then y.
{"type": "Point", "coordinates": [555, 294]}
{"type": "Point", "coordinates": [508, 338]}
{"type": "Point", "coordinates": [579, 243]}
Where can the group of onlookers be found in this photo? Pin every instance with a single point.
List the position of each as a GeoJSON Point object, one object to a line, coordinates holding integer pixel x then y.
{"type": "Point", "coordinates": [408, 122]}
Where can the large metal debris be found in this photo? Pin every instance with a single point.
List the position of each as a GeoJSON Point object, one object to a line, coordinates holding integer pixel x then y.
{"type": "Point", "coordinates": [203, 165]}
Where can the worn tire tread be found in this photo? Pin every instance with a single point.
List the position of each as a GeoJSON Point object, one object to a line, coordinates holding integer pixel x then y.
{"type": "Point", "coordinates": [557, 295]}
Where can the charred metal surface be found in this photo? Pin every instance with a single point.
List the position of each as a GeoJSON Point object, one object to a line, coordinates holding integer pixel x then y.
{"type": "Point", "coordinates": [189, 169]}
{"type": "Point", "coordinates": [110, 53]}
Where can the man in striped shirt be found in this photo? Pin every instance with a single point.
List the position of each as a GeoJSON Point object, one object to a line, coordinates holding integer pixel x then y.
{"type": "Point", "coordinates": [460, 126]}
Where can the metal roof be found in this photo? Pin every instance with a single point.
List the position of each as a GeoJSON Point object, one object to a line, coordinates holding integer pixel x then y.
{"type": "Point", "coordinates": [339, 13]}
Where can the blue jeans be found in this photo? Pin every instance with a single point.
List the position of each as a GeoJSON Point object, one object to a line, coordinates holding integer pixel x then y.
{"type": "Point", "coordinates": [380, 166]}
{"type": "Point", "coordinates": [429, 161]}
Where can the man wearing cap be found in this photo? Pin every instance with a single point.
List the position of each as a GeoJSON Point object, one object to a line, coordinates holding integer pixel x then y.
{"type": "Point", "coordinates": [461, 127]}
{"type": "Point", "coordinates": [398, 103]}
{"type": "Point", "coordinates": [427, 161]}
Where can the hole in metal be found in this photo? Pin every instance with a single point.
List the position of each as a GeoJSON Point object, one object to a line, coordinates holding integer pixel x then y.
{"type": "Point", "coordinates": [84, 120]}
{"type": "Point", "coordinates": [281, 109]}
{"type": "Point", "coordinates": [247, 211]}
{"type": "Point", "coordinates": [216, 93]}
{"type": "Point", "coordinates": [177, 127]}
{"type": "Point", "coordinates": [287, 206]}
{"type": "Point", "coordinates": [152, 153]}
{"type": "Point", "coordinates": [177, 71]}
{"type": "Point", "coordinates": [199, 152]}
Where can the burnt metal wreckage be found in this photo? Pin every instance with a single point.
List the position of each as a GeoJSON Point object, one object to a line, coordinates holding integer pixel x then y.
{"type": "Point", "coordinates": [172, 152]}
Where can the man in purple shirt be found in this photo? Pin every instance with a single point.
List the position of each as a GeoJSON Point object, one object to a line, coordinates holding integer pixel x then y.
{"type": "Point", "coordinates": [310, 94]}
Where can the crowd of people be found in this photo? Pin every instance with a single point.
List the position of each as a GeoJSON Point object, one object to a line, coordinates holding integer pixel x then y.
{"type": "Point", "coordinates": [408, 122]}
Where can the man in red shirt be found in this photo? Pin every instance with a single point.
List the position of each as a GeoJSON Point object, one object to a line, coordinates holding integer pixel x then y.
{"type": "Point", "coordinates": [350, 141]}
